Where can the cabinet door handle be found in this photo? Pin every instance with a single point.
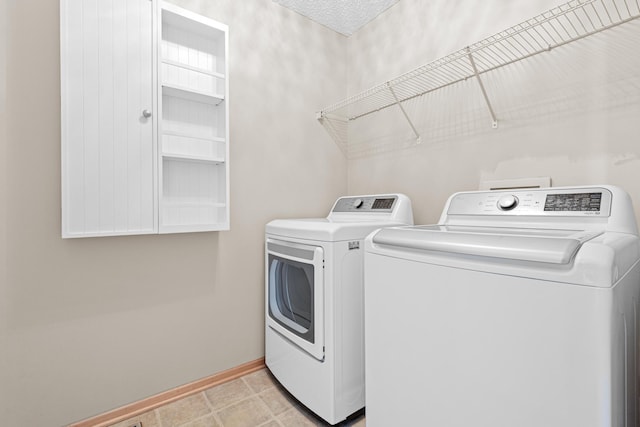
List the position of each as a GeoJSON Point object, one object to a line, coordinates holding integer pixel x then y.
{"type": "Point", "coordinates": [146, 114]}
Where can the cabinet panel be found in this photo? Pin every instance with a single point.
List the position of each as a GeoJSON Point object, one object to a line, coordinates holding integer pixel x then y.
{"type": "Point", "coordinates": [107, 143]}
{"type": "Point", "coordinates": [194, 195]}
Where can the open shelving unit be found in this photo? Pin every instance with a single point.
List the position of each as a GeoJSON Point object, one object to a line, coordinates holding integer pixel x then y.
{"type": "Point", "coordinates": [559, 26]}
{"type": "Point", "coordinates": [193, 131]}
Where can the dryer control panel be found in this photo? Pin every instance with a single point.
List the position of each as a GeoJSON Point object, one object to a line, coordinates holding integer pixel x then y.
{"type": "Point", "coordinates": [365, 204]}
{"type": "Point", "coordinates": [539, 202]}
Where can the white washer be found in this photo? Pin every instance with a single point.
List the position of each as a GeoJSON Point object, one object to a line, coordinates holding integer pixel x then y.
{"type": "Point", "coordinates": [314, 339]}
{"type": "Point", "coordinates": [519, 309]}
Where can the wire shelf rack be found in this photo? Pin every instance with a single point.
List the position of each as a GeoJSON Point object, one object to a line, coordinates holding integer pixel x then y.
{"type": "Point", "coordinates": [559, 26]}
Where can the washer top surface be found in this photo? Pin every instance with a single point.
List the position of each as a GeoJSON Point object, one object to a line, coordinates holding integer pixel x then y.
{"type": "Point", "coordinates": [351, 218]}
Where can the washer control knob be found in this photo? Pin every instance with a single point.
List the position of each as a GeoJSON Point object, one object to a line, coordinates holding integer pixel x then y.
{"type": "Point", "coordinates": [508, 202]}
{"type": "Point", "coordinates": [357, 203]}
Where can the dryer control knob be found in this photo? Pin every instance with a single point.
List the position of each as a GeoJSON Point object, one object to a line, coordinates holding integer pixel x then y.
{"type": "Point", "coordinates": [357, 203]}
{"type": "Point", "coordinates": [506, 203]}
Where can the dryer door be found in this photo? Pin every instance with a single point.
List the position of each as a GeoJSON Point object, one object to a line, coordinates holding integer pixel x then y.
{"type": "Point", "coordinates": [294, 294]}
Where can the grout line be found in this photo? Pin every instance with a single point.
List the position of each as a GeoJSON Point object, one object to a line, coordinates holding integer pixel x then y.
{"type": "Point", "coordinates": [253, 395]}
{"type": "Point", "coordinates": [273, 415]}
{"type": "Point", "coordinates": [218, 419]}
{"type": "Point", "coordinates": [156, 412]}
{"type": "Point", "coordinates": [257, 394]}
{"type": "Point", "coordinates": [214, 412]}
{"type": "Point", "coordinates": [206, 399]}
{"type": "Point", "coordinates": [235, 402]}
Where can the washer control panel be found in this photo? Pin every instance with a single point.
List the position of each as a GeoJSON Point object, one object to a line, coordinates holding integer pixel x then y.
{"type": "Point", "coordinates": [365, 204]}
{"type": "Point", "coordinates": [561, 202]}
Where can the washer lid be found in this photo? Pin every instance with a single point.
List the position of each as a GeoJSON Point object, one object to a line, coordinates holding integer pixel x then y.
{"type": "Point", "coordinates": [537, 245]}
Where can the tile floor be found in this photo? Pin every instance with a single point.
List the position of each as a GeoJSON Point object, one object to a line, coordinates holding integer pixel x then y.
{"type": "Point", "coordinates": [255, 400]}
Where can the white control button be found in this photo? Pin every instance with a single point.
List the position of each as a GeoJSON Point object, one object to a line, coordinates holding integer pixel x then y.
{"type": "Point", "coordinates": [357, 203]}
{"type": "Point", "coordinates": [507, 202]}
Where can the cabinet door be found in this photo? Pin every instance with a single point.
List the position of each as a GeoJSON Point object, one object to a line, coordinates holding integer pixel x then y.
{"type": "Point", "coordinates": [107, 92]}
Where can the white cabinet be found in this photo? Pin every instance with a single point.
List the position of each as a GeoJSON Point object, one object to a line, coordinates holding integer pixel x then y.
{"type": "Point", "coordinates": [144, 119]}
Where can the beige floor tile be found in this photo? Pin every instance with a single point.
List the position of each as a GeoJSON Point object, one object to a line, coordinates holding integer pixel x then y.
{"type": "Point", "coordinates": [277, 400]}
{"type": "Point", "coordinates": [227, 394]}
{"type": "Point", "coordinates": [249, 412]}
{"type": "Point", "coordinates": [260, 380]}
{"type": "Point", "coordinates": [299, 417]}
{"type": "Point", "coordinates": [272, 423]}
{"type": "Point", "coordinates": [208, 421]}
{"type": "Point", "coordinates": [184, 410]}
{"type": "Point", "coordinates": [148, 419]}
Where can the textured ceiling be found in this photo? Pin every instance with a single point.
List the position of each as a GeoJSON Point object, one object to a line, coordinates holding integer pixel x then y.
{"type": "Point", "coordinates": [343, 16]}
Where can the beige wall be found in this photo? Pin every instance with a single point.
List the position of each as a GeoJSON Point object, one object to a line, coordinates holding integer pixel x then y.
{"type": "Point", "coordinates": [3, 210]}
{"type": "Point", "coordinates": [87, 325]}
{"type": "Point", "coordinates": [90, 324]}
{"type": "Point", "coordinates": [571, 114]}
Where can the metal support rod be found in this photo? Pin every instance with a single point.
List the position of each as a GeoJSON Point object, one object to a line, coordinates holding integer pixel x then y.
{"type": "Point", "coordinates": [484, 92]}
{"type": "Point", "coordinates": [406, 116]}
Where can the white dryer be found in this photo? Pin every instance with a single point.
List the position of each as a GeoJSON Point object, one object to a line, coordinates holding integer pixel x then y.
{"type": "Point", "coordinates": [314, 338]}
{"type": "Point", "coordinates": [519, 308]}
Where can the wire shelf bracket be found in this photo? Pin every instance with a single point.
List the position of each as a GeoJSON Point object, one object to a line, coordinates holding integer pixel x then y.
{"type": "Point", "coordinates": [404, 113]}
{"type": "Point", "coordinates": [494, 119]}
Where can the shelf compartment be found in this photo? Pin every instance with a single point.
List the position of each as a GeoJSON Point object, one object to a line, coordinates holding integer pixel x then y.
{"type": "Point", "coordinates": [191, 78]}
{"type": "Point", "coordinates": [193, 192]}
{"type": "Point", "coordinates": [187, 217]}
{"type": "Point", "coordinates": [192, 52]}
{"type": "Point", "coordinates": [182, 117]}
{"type": "Point", "coordinates": [192, 39]}
{"type": "Point", "coordinates": [559, 26]}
